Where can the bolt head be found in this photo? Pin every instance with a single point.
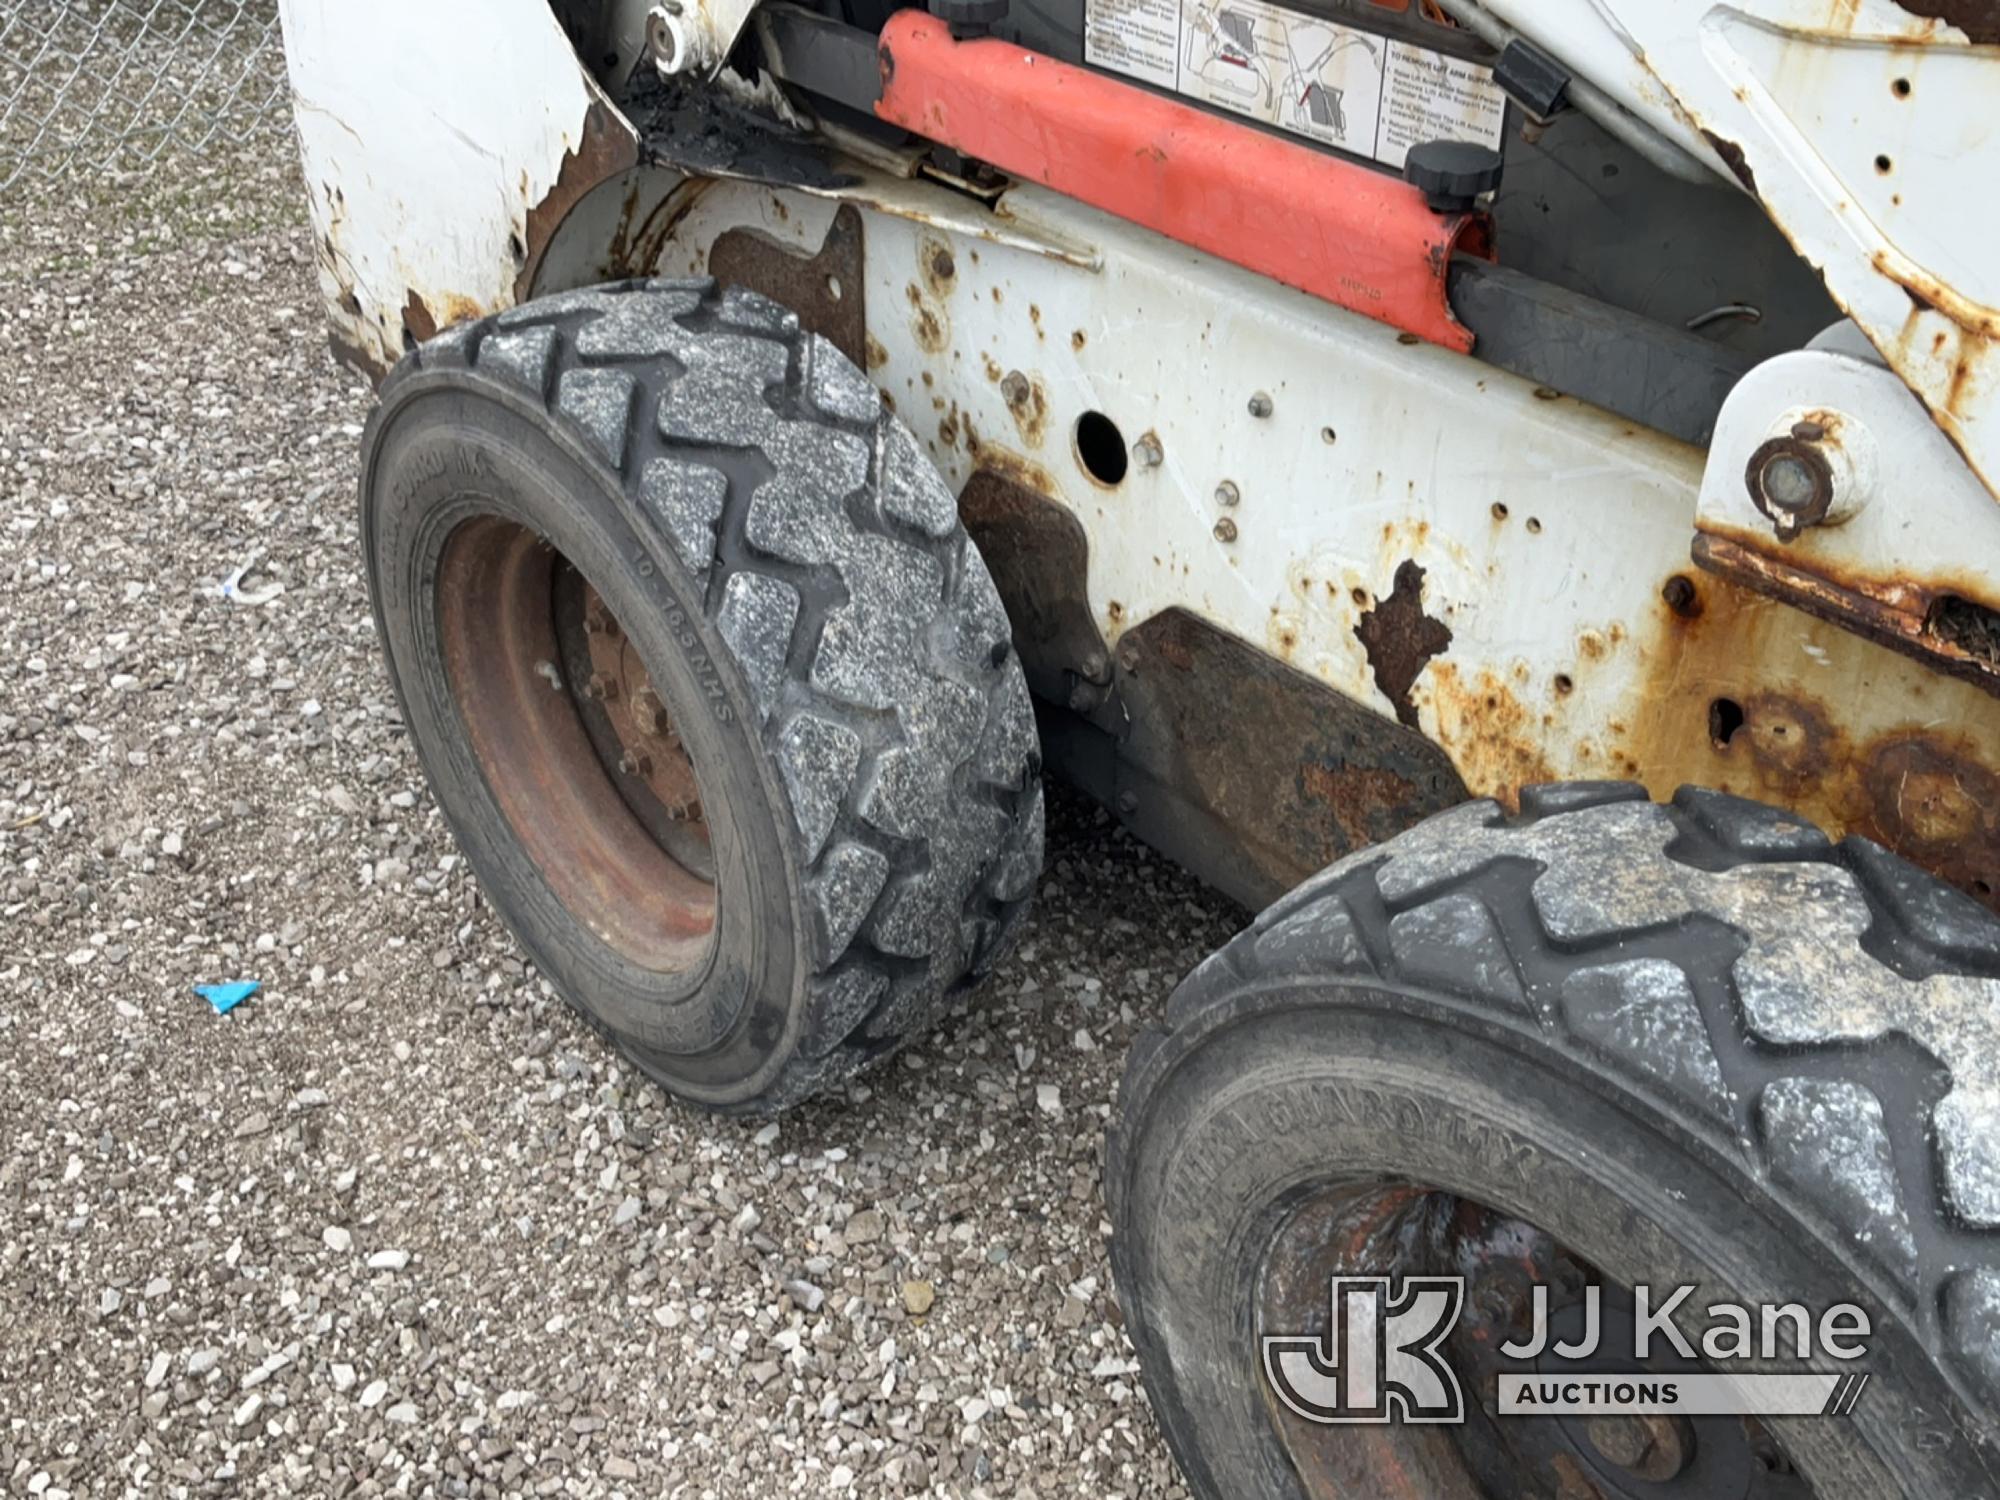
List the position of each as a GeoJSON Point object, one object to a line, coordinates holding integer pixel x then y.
{"type": "Point", "coordinates": [1788, 482]}
{"type": "Point", "coordinates": [1147, 452]}
{"type": "Point", "coordinates": [1225, 530]}
{"type": "Point", "coordinates": [648, 712]}
{"type": "Point", "coordinates": [1226, 493]}
{"type": "Point", "coordinates": [1260, 404]}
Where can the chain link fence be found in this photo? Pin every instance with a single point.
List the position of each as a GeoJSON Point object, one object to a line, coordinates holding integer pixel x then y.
{"type": "Point", "coordinates": [112, 86]}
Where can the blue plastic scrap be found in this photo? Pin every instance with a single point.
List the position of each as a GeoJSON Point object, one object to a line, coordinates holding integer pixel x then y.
{"type": "Point", "coordinates": [226, 997]}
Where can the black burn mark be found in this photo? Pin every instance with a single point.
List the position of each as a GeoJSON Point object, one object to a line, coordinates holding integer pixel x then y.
{"type": "Point", "coordinates": [1400, 639]}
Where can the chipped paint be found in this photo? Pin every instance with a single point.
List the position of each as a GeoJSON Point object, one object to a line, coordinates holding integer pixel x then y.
{"type": "Point", "coordinates": [1401, 639]}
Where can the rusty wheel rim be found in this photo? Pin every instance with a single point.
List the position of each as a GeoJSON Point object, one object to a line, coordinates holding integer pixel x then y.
{"type": "Point", "coordinates": [1392, 1228]}
{"type": "Point", "coordinates": [577, 745]}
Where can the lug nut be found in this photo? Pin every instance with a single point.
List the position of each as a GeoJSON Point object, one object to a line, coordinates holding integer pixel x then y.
{"type": "Point", "coordinates": [1260, 404]}
{"type": "Point", "coordinates": [1226, 493]}
{"type": "Point", "coordinates": [649, 713]}
{"type": "Point", "coordinates": [1225, 530]}
{"type": "Point", "coordinates": [601, 688]}
{"type": "Point", "coordinates": [1147, 452]}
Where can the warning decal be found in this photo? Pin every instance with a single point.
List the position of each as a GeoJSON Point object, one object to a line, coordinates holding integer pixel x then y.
{"type": "Point", "coordinates": [1332, 83]}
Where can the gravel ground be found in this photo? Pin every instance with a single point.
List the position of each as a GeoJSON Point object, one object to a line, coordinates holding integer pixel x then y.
{"type": "Point", "coordinates": [401, 1222]}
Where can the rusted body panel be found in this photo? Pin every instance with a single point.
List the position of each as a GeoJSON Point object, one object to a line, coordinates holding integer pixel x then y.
{"type": "Point", "coordinates": [1504, 569]}
{"type": "Point", "coordinates": [438, 168]}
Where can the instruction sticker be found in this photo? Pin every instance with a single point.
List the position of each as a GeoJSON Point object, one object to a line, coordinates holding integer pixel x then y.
{"type": "Point", "coordinates": [1331, 83]}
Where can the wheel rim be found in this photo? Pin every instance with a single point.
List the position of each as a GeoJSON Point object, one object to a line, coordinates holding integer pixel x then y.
{"type": "Point", "coordinates": [1390, 1228]}
{"type": "Point", "coordinates": [577, 744]}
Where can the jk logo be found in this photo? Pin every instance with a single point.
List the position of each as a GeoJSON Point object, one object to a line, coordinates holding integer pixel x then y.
{"type": "Point", "coordinates": [1378, 1360]}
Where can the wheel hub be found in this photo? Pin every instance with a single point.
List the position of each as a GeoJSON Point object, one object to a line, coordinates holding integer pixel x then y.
{"type": "Point", "coordinates": [636, 737]}
{"type": "Point", "coordinates": [1398, 1229]}
{"type": "Point", "coordinates": [576, 744]}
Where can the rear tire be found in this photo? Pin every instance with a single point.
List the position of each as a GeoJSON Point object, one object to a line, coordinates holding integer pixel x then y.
{"type": "Point", "coordinates": [1691, 1043]}
{"type": "Point", "coordinates": [816, 643]}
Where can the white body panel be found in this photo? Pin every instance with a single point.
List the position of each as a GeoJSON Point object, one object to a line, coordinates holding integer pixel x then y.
{"type": "Point", "coordinates": [1546, 530]}
{"type": "Point", "coordinates": [1872, 137]}
{"type": "Point", "coordinates": [430, 131]}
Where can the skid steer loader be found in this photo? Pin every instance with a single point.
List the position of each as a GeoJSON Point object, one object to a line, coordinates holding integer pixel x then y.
{"type": "Point", "coordinates": [1511, 491]}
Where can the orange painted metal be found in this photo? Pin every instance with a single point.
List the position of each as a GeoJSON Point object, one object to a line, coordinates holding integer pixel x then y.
{"type": "Point", "coordinates": [1356, 237]}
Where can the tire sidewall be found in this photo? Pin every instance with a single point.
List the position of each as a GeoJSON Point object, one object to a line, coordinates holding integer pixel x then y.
{"type": "Point", "coordinates": [1270, 1091]}
{"type": "Point", "coordinates": [442, 450]}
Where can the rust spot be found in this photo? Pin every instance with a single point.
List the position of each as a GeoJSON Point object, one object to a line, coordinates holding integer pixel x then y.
{"type": "Point", "coordinates": [421, 323]}
{"type": "Point", "coordinates": [418, 320]}
{"type": "Point", "coordinates": [1732, 158]}
{"type": "Point", "coordinates": [1892, 614]}
{"type": "Point", "coordinates": [607, 148]}
{"type": "Point", "coordinates": [1027, 404]}
{"type": "Point", "coordinates": [638, 245]}
{"type": "Point", "coordinates": [1076, 339]}
{"type": "Point", "coordinates": [877, 355]}
{"type": "Point", "coordinates": [937, 267]}
{"type": "Point", "coordinates": [1854, 742]}
{"type": "Point", "coordinates": [1400, 639]}
{"type": "Point", "coordinates": [993, 370]}
{"type": "Point", "coordinates": [1497, 742]}
{"type": "Point", "coordinates": [1361, 798]}
{"type": "Point", "coordinates": [927, 322]}
{"type": "Point", "coordinates": [1929, 295]}
{"type": "Point", "coordinates": [1035, 317]}
{"type": "Point", "coordinates": [1934, 799]}
{"type": "Point", "coordinates": [1791, 739]}
{"type": "Point", "coordinates": [1006, 463]}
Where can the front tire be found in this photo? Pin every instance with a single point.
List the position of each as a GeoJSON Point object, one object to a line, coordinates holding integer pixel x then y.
{"type": "Point", "coordinates": [713, 689]}
{"type": "Point", "coordinates": [1677, 1044]}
